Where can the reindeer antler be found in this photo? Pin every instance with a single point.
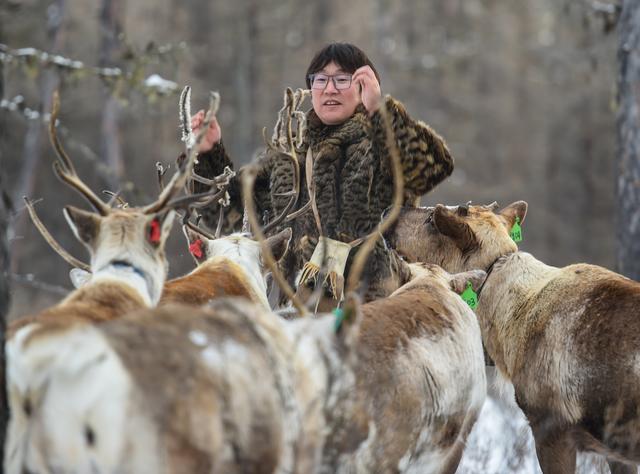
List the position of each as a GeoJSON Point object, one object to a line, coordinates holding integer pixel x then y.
{"type": "Point", "coordinates": [248, 180]}
{"type": "Point", "coordinates": [63, 167]}
{"type": "Point", "coordinates": [180, 178]}
{"type": "Point", "coordinates": [283, 139]}
{"type": "Point", "coordinates": [70, 259]}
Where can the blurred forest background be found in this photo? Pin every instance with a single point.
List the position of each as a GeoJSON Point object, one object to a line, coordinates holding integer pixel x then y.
{"type": "Point", "coordinates": [523, 91]}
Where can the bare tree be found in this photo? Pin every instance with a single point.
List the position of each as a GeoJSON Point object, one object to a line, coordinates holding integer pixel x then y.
{"type": "Point", "coordinates": [5, 208]}
{"type": "Point", "coordinates": [628, 184]}
{"type": "Point", "coordinates": [34, 138]}
{"type": "Point", "coordinates": [111, 15]}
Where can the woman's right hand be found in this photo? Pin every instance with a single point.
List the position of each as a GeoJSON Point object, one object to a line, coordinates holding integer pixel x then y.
{"type": "Point", "coordinates": [213, 135]}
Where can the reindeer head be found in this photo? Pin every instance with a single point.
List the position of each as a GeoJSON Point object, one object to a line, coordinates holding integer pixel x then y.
{"type": "Point", "coordinates": [457, 238]}
{"type": "Point", "coordinates": [129, 239]}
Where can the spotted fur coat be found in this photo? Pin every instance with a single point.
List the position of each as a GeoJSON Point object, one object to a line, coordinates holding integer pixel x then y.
{"type": "Point", "coordinates": [353, 179]}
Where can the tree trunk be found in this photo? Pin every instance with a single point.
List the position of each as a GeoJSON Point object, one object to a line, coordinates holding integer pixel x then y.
{"type": "Point", "coordinates": [5, 207]}
{"type": "Point", "coordinates": [4, 295]}
{"type": "Point", "coordinates": [111, 15]}
{"type": "Point", "coordinates": [34, 138]}
{"type": "Point", "coordinates": [628, 123]}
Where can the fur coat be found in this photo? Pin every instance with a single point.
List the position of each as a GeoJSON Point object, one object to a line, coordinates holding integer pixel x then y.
{"type": "Point", "coordinates": [353, 181]}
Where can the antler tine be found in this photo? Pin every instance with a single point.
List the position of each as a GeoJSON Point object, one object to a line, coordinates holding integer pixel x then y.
{"type": "Point", "coordinates": [398, 193]}
{"type": "Point", "coordinates": [294, 197]}
{"type": "Point", "coordinates": [494, 206]}
{"type": "Point", "coordinates": [115, 197]}
{"type": "Point", "coordinates": [70, 259]}
{"type": "Point", "coordinates": [220, 221]}
{"type": "Point", "coordinates": [180, 177]}
{"type": "Point", "coordinates": [184, 111]}
{"type": "Point", "coordinates": [161, 171]}
{"type": "Point", "coordinates": [57, 146]}
{"type": "Point", "coordinates": [248, 180]}
{"type": "Point", "coordinates": [196, 228]}
{"type": "Point", "coordinates": [200, 200]}
{"type": "Point", "coordinates": [63, 167]}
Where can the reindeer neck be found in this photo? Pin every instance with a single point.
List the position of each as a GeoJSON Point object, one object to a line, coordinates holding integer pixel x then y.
{"type": "Point", "coordinates": [505, 301]}
{"type": "Point", "coordinates": [127, 274]}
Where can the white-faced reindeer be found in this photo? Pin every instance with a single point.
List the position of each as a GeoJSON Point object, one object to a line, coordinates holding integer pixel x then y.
{"type": "Point", "coordinates": [567, 338]}
{"type": "Point", "coordinates": [128, 270]}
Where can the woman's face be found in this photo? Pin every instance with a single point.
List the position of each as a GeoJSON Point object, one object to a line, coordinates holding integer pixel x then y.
{"type": "Point", "coordinates": [334, 106]}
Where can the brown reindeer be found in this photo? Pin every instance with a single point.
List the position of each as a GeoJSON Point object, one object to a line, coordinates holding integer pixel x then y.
{"type": "Point", "coordinates": [405, 384]}
{"type": "Point", "coordinates": [566, 338]}
{"type": "Point", "coordinates": [228, 388]}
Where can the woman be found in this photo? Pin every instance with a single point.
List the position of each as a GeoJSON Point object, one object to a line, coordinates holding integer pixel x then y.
{"type": "Point", "coordinates": [350, 163]}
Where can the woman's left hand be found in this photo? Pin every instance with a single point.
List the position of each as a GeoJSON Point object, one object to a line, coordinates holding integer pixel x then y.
{"type": "Point", "coordinates": [370, 93]}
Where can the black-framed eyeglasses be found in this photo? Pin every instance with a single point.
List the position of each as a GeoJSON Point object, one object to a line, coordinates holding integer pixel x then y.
{"type": "Point", "coordinates": [340, 81]}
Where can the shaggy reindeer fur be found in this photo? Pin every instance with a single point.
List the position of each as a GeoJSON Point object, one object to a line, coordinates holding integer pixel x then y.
{"type": "Point", "coordinates": [353, 181]}
{"type": "Point", "coordinates": [174, 390]}
{"type": "Point", "coordinates": [405, 384]}
{"type": "Point", "coordinates": [232, 389]}
{"type": "Point", "coordinates": [567, 338]}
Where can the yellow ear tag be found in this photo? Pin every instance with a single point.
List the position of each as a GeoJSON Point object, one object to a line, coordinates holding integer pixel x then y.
{"type": "Point", "coordinates": [516, 231]}
{"type": "Point", "coordinates": [470, 297]}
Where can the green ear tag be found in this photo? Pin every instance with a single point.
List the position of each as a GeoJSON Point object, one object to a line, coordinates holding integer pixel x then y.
{"type": "Point", "coordinates": [469, 296]}
{"type": "Point", "coordinates": [339, 314]}
{"type": "Point", "coordinates": [516, 231]}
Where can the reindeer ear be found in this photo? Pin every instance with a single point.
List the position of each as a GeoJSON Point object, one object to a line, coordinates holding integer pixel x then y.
{"type": "Point", "coordinates": [347, 321]}
{"type": "Point", "coordinates": [158, 227]}
{"type": "Point", "coordinates": [84, 224]}
{"type": "Point", "coordinates": [197, 244]}
{"type": "Point", "coordinates": [279, 243]}
{"type": "Point", "coordinates": [79, 277]}
{"type": "Point", "coordinates": [459, 280]}
{"type": "Point", "coordinates": [454, 227]}
{"type": "Point", "coordinates": [513, 210]}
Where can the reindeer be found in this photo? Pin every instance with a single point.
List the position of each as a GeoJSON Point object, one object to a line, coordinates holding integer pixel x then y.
{"type": "Point", "coordinates": [128, 262]}
{"type": "Point", "coordinates": [128, 269]}
{"type": "Point", "coordinates": [403, 381]}
{"type": "Point", "coordinates": [396, 385]}
{"type": "Point", "coordinates": [227, 266]}
{"type": "Point", "coordinates": [566, 338]}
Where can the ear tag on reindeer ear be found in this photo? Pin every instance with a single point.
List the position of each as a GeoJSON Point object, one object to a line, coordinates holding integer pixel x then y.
{"type": "Point", "coordinates": [470, 297]}
{"type": "Point", "coordinates": [154, 231]}
{"type": "Point", "coordinates": [195, 248]}
{"type": "Point", "coordinates": [516, 231]}
{"type": "Point", "coordinates": [340, 315]}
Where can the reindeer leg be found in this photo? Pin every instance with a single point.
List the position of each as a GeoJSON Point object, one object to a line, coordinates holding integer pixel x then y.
{"type": "Point", "coordinates": [555, 448]}
{"type": "Point", "coordinates": [621, 468]}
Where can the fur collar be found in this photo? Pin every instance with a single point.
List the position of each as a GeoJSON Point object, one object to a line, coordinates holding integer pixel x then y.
{"type": "Point", "coordinates": [352, 130]}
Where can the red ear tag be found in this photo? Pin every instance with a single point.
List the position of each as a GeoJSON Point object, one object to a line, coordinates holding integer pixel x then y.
{"type": "Point", "coordinates": [154, 232]}
{"type": "Point", "coordinates": [196, 248]}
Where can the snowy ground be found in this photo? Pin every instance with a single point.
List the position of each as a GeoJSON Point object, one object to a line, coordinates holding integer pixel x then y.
{"type": "Point", "coordinates": [501, 443]}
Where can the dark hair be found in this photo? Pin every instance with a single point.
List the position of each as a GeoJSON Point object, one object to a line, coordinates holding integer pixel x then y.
{"type": "Point", "coordinates": [348, 56]}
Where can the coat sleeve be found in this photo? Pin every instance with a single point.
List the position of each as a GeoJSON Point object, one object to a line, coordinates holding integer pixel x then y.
{"type": "Point", "coordinates": [211, 164]}
{"type": "Point", "coordinates": [425, 157]}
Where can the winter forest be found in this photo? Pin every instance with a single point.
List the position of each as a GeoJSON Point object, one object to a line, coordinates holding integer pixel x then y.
{"type": "Point", "coordinates": [538, 101]}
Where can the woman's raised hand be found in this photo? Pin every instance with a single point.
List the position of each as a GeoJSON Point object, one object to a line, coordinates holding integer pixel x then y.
{"type": "Point", "coordinates": [370, 93]}
{"type": "Point", "coordinates": [213, 135]}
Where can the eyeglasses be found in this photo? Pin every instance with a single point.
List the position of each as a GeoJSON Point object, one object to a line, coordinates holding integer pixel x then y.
{"type": "Point", "coordinates": [340, 81]}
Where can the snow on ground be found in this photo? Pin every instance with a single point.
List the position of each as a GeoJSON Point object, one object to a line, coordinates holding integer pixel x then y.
{"type": "Point", "coordinates": [501, 443]}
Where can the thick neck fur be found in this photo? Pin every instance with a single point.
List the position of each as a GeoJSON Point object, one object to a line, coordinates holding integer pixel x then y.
{"type": "Point", "coordinates": [245, 255]}
{"type": "Point", "coordinates": [504, 301]}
